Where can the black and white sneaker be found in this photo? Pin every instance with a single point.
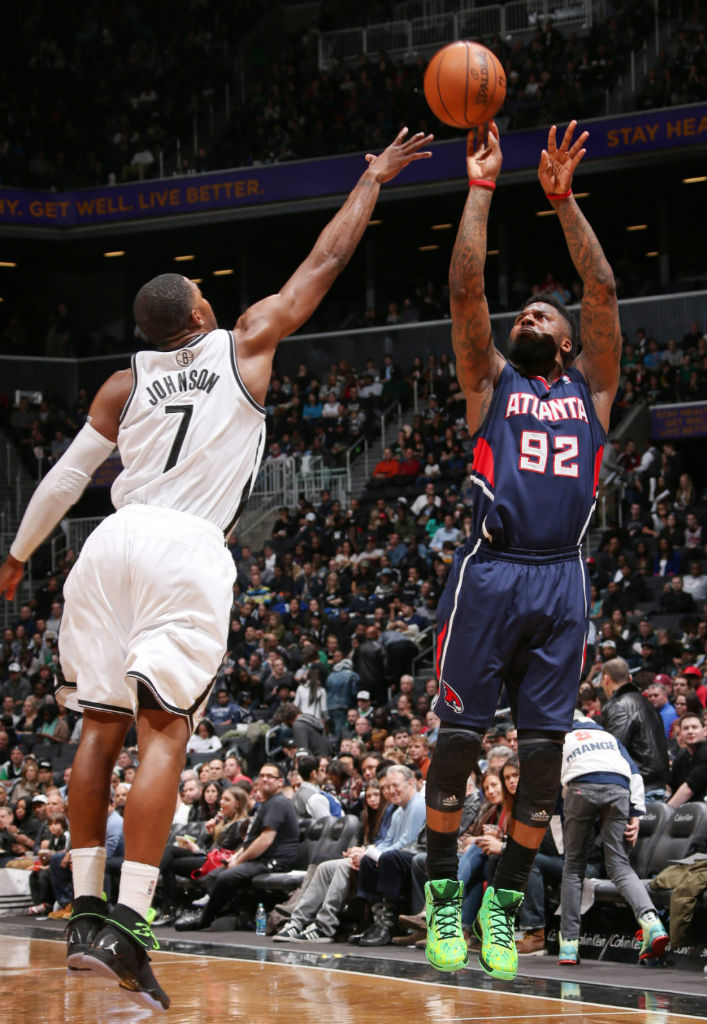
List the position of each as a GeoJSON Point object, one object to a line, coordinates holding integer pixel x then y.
{"type": "Point", "coordinates": [87, 918]}
{"type": "Point", "coordinates": [289, 933]}
{"type": "Point", "coordinates": [313, 934]}
{"type": "Point", "coordinates": [119, 952]}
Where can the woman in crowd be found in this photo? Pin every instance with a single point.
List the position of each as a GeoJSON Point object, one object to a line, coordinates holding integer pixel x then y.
{"type": "Point", "coordinates": [666, 561]}
{"type": "Point", "coordinates": [188, 853]}
{"type": "Point", "coordinates": [28, 720]}
{"type": "Point", "coordinates": [53, 723]}
{"type": "Point", "coordinates": [25, 820]}
{"type": "Point", "coordinates": [210, 800]}
{"type": "Point", "coordinates": [204, 740]}
{"type": "Point", "coordinates": [28, 782]}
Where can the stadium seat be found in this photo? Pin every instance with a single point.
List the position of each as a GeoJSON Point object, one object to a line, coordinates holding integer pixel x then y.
{"type": "Point", "coordinates": [650, 829]}
{"type": "Point", "coordinates": [325, 839]}
{"type": "Point", "coordinates": [675, 838]}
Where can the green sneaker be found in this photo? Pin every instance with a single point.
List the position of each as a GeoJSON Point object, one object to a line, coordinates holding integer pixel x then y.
{"type": "Point", "coordinates": [495, 926]}
{"type": "Point", "coordinates": [446, 946]}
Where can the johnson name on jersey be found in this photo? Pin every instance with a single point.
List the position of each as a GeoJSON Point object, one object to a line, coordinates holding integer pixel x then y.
{"type": "Point", "coordinates": [536, 462]}
{"type": "Point", "coordinates": [191, 437]}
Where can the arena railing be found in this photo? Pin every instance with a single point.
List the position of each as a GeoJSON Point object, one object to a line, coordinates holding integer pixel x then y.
{"type": "Point", "coordinates": [411, 34]}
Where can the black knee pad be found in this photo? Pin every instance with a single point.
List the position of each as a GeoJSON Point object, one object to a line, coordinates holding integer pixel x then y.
{"type": "Point", "coordinates": [540, 757]}
{"type": "Point", "coordinates": [455, 756]}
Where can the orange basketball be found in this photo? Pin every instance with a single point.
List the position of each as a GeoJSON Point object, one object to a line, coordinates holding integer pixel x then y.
{"type": "Point", "coordinates": [465, 84]}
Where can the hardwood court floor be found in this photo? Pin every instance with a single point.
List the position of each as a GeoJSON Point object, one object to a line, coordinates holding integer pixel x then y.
{"type": "Point", "coordinates": [256, 989]}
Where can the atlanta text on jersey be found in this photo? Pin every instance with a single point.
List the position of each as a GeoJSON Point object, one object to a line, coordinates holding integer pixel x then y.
{"type": "Point", "coordinates": [520, 403]}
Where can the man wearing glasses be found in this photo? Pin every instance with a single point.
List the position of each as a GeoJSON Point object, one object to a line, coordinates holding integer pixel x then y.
{"type": "Point", "coordinates": [270, 845]}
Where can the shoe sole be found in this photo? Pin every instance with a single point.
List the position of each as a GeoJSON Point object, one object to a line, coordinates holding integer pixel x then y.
{"type": "Point", "coordinates": [75, 960]}
{"type": "Point", "coordinates": [493, 972]}
{"type": "Point", "coordinates": [287, 938]}
{"type": "Point", "coordinates": [142, 998]}
{"type": "Point", "coordinates": [497, 972]}
{"type": "Point", "coordinates": [568, 963]}
{"type": "Point", "coordinates": [657, 947]}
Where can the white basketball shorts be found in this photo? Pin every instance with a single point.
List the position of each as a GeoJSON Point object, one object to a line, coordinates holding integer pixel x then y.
{"type": "Point", "coordinates": [148, 601]}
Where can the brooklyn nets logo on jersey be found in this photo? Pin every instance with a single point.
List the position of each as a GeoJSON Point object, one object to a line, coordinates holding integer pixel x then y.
{"type": "Point", "coordinates": [184, 357]}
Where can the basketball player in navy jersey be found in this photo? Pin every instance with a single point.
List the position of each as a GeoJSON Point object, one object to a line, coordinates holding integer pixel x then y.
{"type": "Point", "coordinates": [147, 604]}
{"type": "Point", "coordinates": [515, 608]}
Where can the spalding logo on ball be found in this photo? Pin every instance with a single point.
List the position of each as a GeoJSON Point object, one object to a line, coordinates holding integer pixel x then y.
{"type": "Point", "coordinates": [465, 84]}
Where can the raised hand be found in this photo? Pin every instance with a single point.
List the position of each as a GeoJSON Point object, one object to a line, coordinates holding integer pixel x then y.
{"type": "Point", "coordinates": [399, 154]}
{"type": "Point", "coordinates": [557, 165]}
{"type": "Point", "coordinates": [483, 152]}
{"type": "Point", "coordinates": [11, 572]}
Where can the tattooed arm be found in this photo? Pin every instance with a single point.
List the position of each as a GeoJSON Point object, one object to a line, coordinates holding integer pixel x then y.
{"type": "Point", "coordinates": [600, 332]}
{"type": "Point", "coordinates": [478, 362]}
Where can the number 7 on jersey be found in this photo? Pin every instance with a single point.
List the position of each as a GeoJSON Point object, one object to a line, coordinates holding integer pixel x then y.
{"type": "Point", "coordinates": [185, 411]}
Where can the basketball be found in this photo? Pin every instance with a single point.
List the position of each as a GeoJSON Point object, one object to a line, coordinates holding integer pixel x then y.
{"type": "Point", "coordinates": [465, 84]}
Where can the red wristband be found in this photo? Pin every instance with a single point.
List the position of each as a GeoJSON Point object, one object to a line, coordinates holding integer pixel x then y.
{"type": "Point", "coordinates": [483, 182]}
{"type": "Point", "coordinates": [563, 195]}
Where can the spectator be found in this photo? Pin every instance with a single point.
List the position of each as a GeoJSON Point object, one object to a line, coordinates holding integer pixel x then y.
{"type": "Point", "coordinates": [270, 845]}
{"type": "Point", "coordinates": [601, 782]}
{"type": "Point", "coordinates": [695, 583]}
{"type": "Point", "coordinates": [386, 469]}
{"type": "Point", "coordinates": [657, 694]}
{"type": "Point", "coordinates": [369, 662]}
{"type": "Point", "coordinates": [688, 778]}
{"type": "Point", "coordinates": [447, 532]}
{"type": "Point", "coordinates": [341, 688]}
{"type": "Point", "coordinates": [674, 600]}
{"type": "Point", "coordinates": [384, 867]}
{"type": "Point", "coordinates": [204, 740]}
{"type": "Point", "coordinates": [637, 725]}
{"type": "Point", "coordinates": [309, 801]}
{"type": "Point", "coordinates": [315, 916]}
{"type": "Point", "coordinates": [695, 679]}
{"type": "Point", "coordinates": [186, 855]}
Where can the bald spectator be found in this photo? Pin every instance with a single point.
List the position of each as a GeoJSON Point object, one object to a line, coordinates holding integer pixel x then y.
{"type": "Point", "coordinates": [386, 469]}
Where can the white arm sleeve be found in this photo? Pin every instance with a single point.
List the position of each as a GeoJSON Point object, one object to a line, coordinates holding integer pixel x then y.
{"type": "Point", "coordinates": [60, 489]}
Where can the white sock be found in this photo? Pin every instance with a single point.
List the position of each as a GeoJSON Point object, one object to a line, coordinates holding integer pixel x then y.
{"type": "Point", "coordinates": [88, 867]}
{"type": "Point", "coordinates": [137, 886]}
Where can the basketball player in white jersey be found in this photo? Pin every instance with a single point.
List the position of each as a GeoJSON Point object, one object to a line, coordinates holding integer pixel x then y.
{"type": "Point", "coordinates": [147, 604]}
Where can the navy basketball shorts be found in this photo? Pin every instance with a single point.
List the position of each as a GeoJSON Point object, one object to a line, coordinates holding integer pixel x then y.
{"type": "Point", "coordinates": [514, 619]}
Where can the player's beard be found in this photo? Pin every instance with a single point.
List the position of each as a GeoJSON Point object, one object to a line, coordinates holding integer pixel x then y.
{"type": "Point", "coordinates": [532, 352]}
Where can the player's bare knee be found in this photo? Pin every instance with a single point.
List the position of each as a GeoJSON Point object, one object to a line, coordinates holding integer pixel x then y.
{"type": "Point", "coordinates": [456, 755]}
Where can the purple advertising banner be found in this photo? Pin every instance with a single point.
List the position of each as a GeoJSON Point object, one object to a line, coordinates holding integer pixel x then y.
{"type": "Point", "coordinates": [670, 422]}
{"type": "Point", "coordinates": [620, 136]}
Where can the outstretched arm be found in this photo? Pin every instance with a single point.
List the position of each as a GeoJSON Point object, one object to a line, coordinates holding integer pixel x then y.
{"type": "Point", "coordinates": [66, 480]}
{"type": "Point", "coordinates": [478, 362]}
{"type": "Point", "coordinates": [264, 324]}
{"type": "Point", "coordinates": [600, 332]}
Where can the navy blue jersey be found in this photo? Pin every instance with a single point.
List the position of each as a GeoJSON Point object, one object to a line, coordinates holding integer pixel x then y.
{"type": "Point", "coordinates": [536, 462]}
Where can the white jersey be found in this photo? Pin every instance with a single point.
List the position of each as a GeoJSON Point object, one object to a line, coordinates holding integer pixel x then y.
{"type": "Point", "coordinates": [190, 436]}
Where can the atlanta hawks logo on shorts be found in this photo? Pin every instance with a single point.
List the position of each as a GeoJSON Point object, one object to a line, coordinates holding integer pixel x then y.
{"type": "Point", "coordinates": [450, 697]}
{"type": "Point", "coordinates": [184, 357]}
